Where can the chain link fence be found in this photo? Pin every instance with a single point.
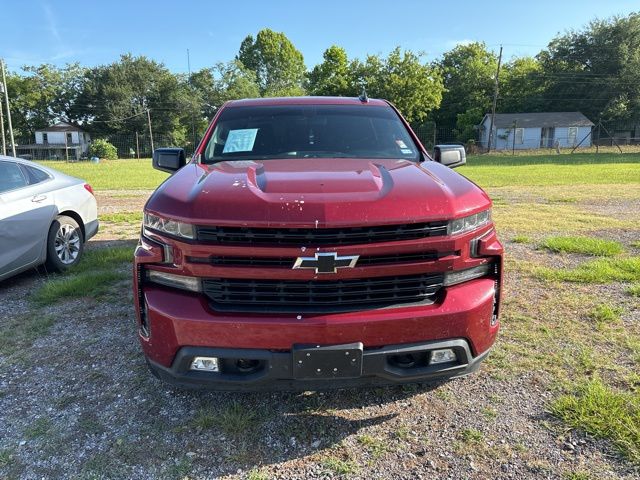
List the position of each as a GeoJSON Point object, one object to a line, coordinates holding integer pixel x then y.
{"type": "Point", "coordinates": [139, 145]}
{"type": "Point", "coordinates": [127, 145]}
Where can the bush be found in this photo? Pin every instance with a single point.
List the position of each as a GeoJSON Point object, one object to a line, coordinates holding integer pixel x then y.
{"type": "Point", "coordinates": [102, 149]}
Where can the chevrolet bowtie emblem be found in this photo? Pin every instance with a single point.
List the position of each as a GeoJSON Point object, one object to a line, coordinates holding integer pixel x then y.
{"type": "Point", "coordinates": [326, 262]}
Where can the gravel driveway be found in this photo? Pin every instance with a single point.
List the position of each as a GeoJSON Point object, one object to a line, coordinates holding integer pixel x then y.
{"type": "Point", "coordinates": [78, 402]}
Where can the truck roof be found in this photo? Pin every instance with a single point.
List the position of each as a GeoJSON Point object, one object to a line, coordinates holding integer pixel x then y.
{"type": "Point", "coordinates": [251, 102]}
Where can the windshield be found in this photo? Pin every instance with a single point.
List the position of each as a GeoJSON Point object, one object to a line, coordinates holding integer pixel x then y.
{"type": "Point", "coordinates": [309, 131]}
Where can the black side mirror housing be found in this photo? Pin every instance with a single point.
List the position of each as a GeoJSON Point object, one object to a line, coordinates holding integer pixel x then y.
{"type": "Point", "coordinates": [451, 156]}
{"type": "Point", "coordinates": [169, 159]}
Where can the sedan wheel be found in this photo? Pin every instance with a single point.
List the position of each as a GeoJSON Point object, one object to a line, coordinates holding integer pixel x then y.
{"type": "Point", "coordinates": [65, 244]}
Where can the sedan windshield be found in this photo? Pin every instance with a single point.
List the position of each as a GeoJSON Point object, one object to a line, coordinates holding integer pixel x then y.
{"type": "Point", "coordinates": [309, 131]}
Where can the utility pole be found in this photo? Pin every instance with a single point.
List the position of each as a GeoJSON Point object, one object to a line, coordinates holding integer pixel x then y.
{"type": "Point", "coordinates": [6, 99]}
{"type": "Point", "coordinates": [150, 132]}
{"type": "Point", "coordinates": [193, 117]}
{"type": "Point", "coordinates": [495, 102]}
{"type": "Point", "coordinates": [137, 146]}
{"type": "Point", "coordinates": [4, 142]}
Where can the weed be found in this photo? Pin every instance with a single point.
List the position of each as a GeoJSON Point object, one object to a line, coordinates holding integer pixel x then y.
{"type": "Point", "coordinates": [89, 424]}
{"type": "Point", "coordinates": [129, 218]}
{"type": "Point", "coordinates": [6, 457]}
{"type": "Point", "coordinates": [605, 314]}
{"type": "Point", "coordinates": [576, 476]}
{"type": "Point", "coordinates": [204, 420]}
{"type": "Point", "coordinates": [402, 433]}
{"type": "Point", "coordinates": [489, 412]}
{"type": "Point", "coordinates": [471, 435]}
{"type": "Point", "coordinates": [376, 446]}
{"type": "Point", "coordinates": [86, 284]}
{"type": "Point", "coordinates": [521, 239]}
{"type": "Point", "coordinates": [180, 469]}
{"type": "Point", "coordinates": [39, 428]}
{"type": "Point", "coordinates": [101, 258]}
{"type": "Point", "coordinates": [602, 270]}
{"type": "Point", "coordinates": [233, 420]}
{"type": "Point", "coordinates": [605, 413]}
{"type": "Point", "coordinates": [585, 245]}
{"type": "Point", "coordinates": [19, 333]}
{"type": "Point", "coordinates": [633, 290]}
{"type": "Point", "coordinates": [339, 467]}
{"type": "Point", "coordinates": [255, 474]}
{"type": "Point", "coordinates": [236, 419]}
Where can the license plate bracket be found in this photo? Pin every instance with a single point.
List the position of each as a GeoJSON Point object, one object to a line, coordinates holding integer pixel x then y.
{"type": "Point", "coordinates": [318, 362]}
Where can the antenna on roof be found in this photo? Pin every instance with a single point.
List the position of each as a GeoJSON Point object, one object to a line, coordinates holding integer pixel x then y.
{"type": "Point", "coordinates": [363, 96]}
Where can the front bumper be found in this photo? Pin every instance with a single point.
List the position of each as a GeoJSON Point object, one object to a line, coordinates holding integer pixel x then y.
{"type": "Point", "coordinates": [276, 369]}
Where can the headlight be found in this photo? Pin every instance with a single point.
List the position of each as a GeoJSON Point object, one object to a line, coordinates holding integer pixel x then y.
{"type": "Point", "coordinates": [170, 227]}
{"type": "Point", "coordinates": [182, 282]}
{"type": "Point", "coordinates": [459, 276]}
{"type": "Point", "coordinates": [472, 222]}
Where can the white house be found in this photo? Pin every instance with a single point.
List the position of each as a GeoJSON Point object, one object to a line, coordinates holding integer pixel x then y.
{"type": "Point", "coordinates": [63, 140]}
{"type": "Point", "coordinates": [536, 130]}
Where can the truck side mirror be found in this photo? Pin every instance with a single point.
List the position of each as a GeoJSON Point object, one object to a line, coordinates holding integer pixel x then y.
{"type": "Point", "coordinates": [169, 159]}
{"type": "Point", "coordinates": [451, 156]}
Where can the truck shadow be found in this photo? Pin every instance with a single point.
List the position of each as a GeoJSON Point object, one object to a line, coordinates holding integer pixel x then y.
{"type": "Point", "coordinates": [267, 428]}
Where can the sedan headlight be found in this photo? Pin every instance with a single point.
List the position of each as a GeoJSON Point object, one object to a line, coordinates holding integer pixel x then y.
{"type": "Point", "coordinates": [168, 226]}
{"type": "Point", "coordinates": [469, 223]}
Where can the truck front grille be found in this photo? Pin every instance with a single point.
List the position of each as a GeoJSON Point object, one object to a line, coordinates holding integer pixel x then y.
{"type": "Point", "coordinates": [287, 262]}
{"type": "Point", "coordinates": [320, 296]}
{"type": "Point", "coordinates": [320, 236]}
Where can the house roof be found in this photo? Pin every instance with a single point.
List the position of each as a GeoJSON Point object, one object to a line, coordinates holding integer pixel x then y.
{"type": "Point", "coordinates": [539, 119]}
{"type": "Point", "coordinates": [61, 127]}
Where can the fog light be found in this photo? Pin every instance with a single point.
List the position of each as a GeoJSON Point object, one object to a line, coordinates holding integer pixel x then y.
{"type": "Point", "coordinates": [442, 356]}
{"type": "Point", "coordinates": [207, 364]}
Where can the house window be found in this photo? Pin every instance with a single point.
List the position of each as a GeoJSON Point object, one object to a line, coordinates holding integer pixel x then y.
{"type": "Point", "coordinates": [519, 136]}
{"type": "Point", "coordinates": [69, 138]}
{"type": "Point", "coordinates": [44, 138]}
{"type": "Point", "coordinates": [573, 135]}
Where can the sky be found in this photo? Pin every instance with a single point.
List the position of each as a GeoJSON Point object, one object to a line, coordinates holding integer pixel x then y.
{"type": "Point", "coordinates": [98, 32]}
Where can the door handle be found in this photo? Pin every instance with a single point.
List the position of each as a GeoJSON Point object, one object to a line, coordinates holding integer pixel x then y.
{"type": "Point", "coordinates": [39, 198]}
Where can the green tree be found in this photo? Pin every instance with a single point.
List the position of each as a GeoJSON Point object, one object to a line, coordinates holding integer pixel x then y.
{"type": "Point", "coordinates": [522, 86]}
{"type": "Point", "coordinates": [278, 65]}
{"type": "Point", "coordinates": [469, 74]}
{"type": "Point", "coordinates": [116, 97]}
{"type": "Point", "coordinates": [596, 70]}
{"type": "Point", "coordinates": [43, 95]}
{"type": "Point", "coordinates": [223, 82]}
{"type": "Point", "coordinates": [412, 86]}
{"type": "Point", "coordinates": [332, 76]}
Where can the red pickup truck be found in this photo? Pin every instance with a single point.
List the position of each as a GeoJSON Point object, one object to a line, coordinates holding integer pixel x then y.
{"type": "Point", "coordinates": [310, 243]}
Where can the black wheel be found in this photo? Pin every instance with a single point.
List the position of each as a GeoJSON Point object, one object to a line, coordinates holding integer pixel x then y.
{"type": "Point", "coordinates": [65, 244]}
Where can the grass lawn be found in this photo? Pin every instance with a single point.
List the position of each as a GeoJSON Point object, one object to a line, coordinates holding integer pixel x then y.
{"type": "Point", "coordinates": [579, 168]}
{"type": "Point", "coordinates": [113, 174]}
{"type": "Point", "coordinates": [486, 170]}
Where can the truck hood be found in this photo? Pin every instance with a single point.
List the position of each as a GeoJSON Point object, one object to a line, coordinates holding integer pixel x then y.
{"type": "Point", "coordinates": [319, 192]}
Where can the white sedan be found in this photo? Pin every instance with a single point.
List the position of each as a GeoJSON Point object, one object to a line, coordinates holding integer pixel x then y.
{"type": "Point", "coordinates": [45, 217]}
